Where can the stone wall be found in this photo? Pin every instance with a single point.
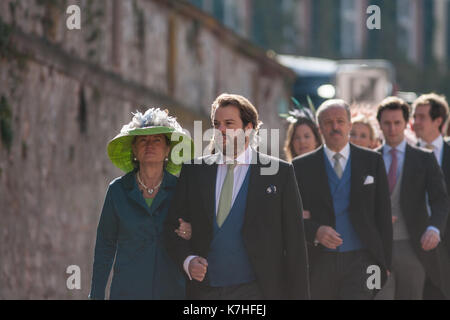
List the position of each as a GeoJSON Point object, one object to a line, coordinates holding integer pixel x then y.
{"type": "Point", "coordinates": [64, 94]}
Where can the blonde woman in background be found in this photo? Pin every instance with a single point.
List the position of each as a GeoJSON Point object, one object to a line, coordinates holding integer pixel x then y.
{"type": "Point", "coordinates": [363, 133]}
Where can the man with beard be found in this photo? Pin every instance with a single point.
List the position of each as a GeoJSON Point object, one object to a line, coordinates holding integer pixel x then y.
{"type": "Point", "coordinates": [345, 189]}
{"type": "Point", "coordinates": [247, 230]}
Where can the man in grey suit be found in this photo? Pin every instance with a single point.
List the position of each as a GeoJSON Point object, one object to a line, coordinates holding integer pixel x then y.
{"type": "Point", "coordinates": [412, 174]}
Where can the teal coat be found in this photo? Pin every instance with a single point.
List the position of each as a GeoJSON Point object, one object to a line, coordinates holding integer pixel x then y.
{"type": "Point", "coordinates": [131, 232]}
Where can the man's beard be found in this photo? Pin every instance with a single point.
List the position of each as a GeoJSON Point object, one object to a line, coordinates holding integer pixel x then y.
{"type": "Point", "coordinates": [232, 146]}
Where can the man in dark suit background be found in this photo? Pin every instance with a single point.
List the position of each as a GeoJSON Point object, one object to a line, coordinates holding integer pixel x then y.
{"type": "Point", "coordinates": [247, 230]}
{"type": "Point", "coordinates": [430, 112]}
{"type": "Point", "coordinates": [345, 189]}
{"type": "Point", "coordinates": [412, 174]}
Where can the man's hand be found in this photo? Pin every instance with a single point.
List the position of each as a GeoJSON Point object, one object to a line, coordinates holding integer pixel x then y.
{"type": "Point", "coordinates": [429, 240]}
{"type": "Point", "coordinates": [197, 268]}
{"type": "Point", "coordinates": [328, 237]}
{"type": "Point", "coordinates": [394, 219]}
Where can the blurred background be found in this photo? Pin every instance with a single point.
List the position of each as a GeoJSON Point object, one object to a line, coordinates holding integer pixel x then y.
{"type": "Point", "coordinates": [65, 93]}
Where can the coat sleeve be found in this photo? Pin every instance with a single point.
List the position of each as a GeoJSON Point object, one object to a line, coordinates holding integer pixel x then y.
{"type": "Point", "coordinates": [310, 225]}
{"type": "Point", "coordinates": [437, 193]}
{"type": "Point", "coordinates": [105, 247]}
{"type": "Point", "coordinates": [383, 214]}
{"type": "Point", "coordinates": [296, 257]}
{"type": "Point", "coordinates": [177, 247]}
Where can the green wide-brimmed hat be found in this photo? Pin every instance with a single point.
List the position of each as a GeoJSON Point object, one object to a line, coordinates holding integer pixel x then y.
{"type": "Point", "coordinates": [153, 121]}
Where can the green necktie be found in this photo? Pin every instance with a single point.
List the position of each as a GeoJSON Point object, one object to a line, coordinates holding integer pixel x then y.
{"type": "Point", "coordinates": [226, 195]}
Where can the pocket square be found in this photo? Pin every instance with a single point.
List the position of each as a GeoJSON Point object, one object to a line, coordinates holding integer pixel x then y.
{"type": "Point", "coordinates": [271, 189]}
{"type": "Point", "coordinates": [369, 180]}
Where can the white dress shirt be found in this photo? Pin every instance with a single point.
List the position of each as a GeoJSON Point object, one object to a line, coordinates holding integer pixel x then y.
{"type": "Point", "coordinates": [438, 150]}
{"type": "Point", "coordinates": [243, 162]}
{"type": "Point", "coordinates": [240, 171]}
{"type": "Point", "coordinates": [345, 153]}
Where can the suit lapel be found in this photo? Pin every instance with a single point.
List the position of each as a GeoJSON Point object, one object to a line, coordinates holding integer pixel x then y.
{"type": "Point", "coordinates": [322, 178]}
{"type": "Point", "coordinates": [446, 164]}
{"type": "Point", "coordinates": [207, 187]}
{"type": "Point", "coordinates": [407, 172]}
{"type": "Point", "coordinates": [356, 179]}
{"type": "Point", "coordinates": [133, 191]}
{"type": "Point", "coordinates": [256, 184]}
{"type": "Point", "coordinates": [163, 193]}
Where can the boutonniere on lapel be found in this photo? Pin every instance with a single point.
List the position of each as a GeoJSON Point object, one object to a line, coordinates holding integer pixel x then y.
{"type": "Point", "coordinates": [272, 189]}
{"type": "Point", "coordinates": [368, 180]}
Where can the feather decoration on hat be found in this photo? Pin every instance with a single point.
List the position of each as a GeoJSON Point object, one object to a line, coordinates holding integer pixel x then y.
{"type": "Point", "coordinates": [300, 111]}
{"type": "Point", "coordinates": [153, 117]}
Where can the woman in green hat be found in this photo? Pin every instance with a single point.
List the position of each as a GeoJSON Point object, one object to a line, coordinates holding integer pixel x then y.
{"type": "Point", "coordinates": [131, 223]}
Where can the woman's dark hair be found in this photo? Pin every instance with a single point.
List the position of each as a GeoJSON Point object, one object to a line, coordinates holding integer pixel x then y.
{"type": "Point", "coordinates": [288, 146]}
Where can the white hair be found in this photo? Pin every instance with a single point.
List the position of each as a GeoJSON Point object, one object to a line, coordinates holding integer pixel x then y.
{"type": "Point", "coordinates": [333, 103]}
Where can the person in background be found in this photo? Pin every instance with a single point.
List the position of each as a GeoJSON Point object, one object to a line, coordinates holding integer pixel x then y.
{"type": "Point", "coordinates": [412, 174]}
{"type": "Point", "coordinates": [130, 229]}
{"type": "Point", "coordinates": [363, 133]}
{"type": "Point", "coordinates": [430, 113]}
{"type": "Point", "coordinates": [346, 191]}
{"type": "Point", "coordinates": [302, 137]}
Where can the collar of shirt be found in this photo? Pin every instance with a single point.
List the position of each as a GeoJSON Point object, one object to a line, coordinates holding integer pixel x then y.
{"type": "Point", "coordinates": [244, 158]}
{"type": "Point", "coordinates": [438, 143]}
{"type": "Point", "coordinates": [345, 153]}
{"type": "Point", "coordinates": [400, 148]}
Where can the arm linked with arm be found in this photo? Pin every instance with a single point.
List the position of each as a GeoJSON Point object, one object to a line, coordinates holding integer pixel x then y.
{"type": "Point", "coordinates": [177, 247]}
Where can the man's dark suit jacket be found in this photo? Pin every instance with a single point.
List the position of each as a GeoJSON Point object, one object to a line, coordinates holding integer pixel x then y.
{"type": "Point", "coordinates": [422, 175]}
{"type": "Point", "coordinates": [446, 171]}
{"type": "Point", "coordinates": [370, 204]}
{"type": "Point", "coordinates": [273, 229]}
